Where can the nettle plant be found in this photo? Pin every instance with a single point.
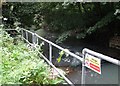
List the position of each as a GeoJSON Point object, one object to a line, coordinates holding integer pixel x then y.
{"type": "Point", "coordinates": [21, 65]}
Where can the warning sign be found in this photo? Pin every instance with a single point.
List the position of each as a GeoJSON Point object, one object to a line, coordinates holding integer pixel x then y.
{"type": "Point", "coordinates": [93, 63]}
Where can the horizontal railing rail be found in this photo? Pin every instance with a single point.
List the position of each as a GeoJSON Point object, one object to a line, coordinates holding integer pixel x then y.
{"type": "Point", "coordinates": [53, 44]}
{"type": "Point", "coordinates": [50, 53]}
{"type": "Point", "coordinates": [98, 55]}
{"type": "Point", "coordinates": [101, 56]}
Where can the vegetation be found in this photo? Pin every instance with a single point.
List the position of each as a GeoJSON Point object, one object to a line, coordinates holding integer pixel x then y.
{"type": "Point", "coordinates": [20, 64]}
{"type": "Point", "coordinates": [69, 19]}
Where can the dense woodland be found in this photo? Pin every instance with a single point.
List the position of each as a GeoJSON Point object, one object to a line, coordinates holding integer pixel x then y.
{"type": "Point", "coordinates": [72, 20]}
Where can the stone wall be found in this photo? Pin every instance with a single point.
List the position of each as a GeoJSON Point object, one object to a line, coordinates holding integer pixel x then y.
{"type": "Point", "coordinates": [115, 42]}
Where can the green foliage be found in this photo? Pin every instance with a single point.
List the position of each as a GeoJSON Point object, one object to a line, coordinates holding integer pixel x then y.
{"type": "Point", "coordinates": [106, 20]}
{"type": "Point", "coordinates": [61, 53]}
{"type": "Point", "coordinates": [22, 12]}
{"type": "Point", "coordinates": [63, 18]}
{"type": "Point", "coordinates": [22, 65]}
{"type": "Point", "coordinates": [63, 37]}
{"type": "Point", "coordinates": [103, 22]}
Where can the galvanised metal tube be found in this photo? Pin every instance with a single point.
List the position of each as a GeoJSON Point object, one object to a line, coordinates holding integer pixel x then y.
{"type": "Point", "coordinates": [50, 52]}
{"type": "Point", "coordinates": [27, 31]}
{"type": "Point", "coordinates": [107, 58]}
{"type": "Point", "coordinates": [37, 41]}
{"type": "Point", "coordinates": [70, 53]}
{"type": "Point", "coordinates": [83, 72]}
{"type": "Point", "coordinates": [26, 40]}
{"type": "Point", "coordinates": [53, 44]}
{"type": "Point", "coordinates": [9, 29]}
{"type": "Point", "coordinates": [22, 34]}
{"type": "Point", "coordinates": [33, 38]}
{"type": "Point", "coordinates": [26, 35]}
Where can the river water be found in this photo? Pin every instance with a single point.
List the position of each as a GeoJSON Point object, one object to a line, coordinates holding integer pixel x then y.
{"type": "Point", "coordinates": [109, 75]}
{"type": "Point", "coordinates": [110, 72]}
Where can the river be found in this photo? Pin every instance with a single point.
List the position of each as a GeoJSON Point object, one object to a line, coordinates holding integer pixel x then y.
{"type": "Point", "coordinates": [110, 72]}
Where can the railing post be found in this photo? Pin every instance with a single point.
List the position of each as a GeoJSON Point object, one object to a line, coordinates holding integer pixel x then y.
{"type": "Point", "coordinates": [22, 34]}
{"type": "Point", "coordinates": [37, 40]}
{"type": "Point", "coordinates": [33, 39]}
{"type": "Point", "coordinates": [26, 33]}
{"type": "Point", "coordinates": [50, 52]}
{"type": "Point", "coordinates": [83, 72]}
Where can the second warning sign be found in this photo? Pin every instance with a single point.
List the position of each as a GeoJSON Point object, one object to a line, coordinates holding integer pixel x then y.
{"type": "Point", "coordinates": [93, 63]}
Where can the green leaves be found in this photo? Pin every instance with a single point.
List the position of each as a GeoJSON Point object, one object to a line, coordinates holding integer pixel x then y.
{"type": "Point", "coordinates": [62, 18]}
{"type": "Point", "coordinates": [61, 53]}
{"type": "Point", "coordinates": [103, 22]}
{"type": "Point", "coordinates": [63, 36]}
{"type": "Point", "coordinates": [19, 64]}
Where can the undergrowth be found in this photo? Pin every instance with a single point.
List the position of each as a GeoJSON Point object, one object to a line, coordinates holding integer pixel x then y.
{"type": "Point", "coordinates": [22, 65]}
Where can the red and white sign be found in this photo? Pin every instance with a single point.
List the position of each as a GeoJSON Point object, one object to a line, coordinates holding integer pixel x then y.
{"type": "Point", "coordinates": [93, 63]}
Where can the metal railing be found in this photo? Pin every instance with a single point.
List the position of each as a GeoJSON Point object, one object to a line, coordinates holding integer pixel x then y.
{"type": "Point", "coordinates": [35, 38]}
{"type": "Point", "coordinates": [98, 55]}
{"type": "Point", "coordinates": [35, 41]}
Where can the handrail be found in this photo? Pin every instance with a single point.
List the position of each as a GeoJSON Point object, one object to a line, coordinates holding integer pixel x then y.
{"type": "Point", "coordinates": [27, 30]}
{"type": "Point", "coordinates": [98, 55]}
{"type": "Point", "coordinates": [104, 57]}
{"type": "Point", "coordinates": [107, 58]}
{"type": "Point", "coordinates": [70, 53]}
{"type": "Point", "coordinates": [9, 29]}
{"type": "Point", "coordinates": [53, 44]}
{"type": "Point", "coordinates": [65, 78]}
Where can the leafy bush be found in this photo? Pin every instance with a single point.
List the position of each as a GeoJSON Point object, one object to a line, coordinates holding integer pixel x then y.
{"type": "Point", "coordinates": [22, 65]}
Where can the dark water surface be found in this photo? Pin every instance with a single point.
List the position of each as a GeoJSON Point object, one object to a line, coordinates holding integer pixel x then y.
{"type": "Point", "coordinates": [110, 75]}
{"type": "Point", "coordinates": [110, 72]}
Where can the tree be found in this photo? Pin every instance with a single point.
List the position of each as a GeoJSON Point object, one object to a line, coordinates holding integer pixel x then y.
{"type": "Point", "coordinates": [70, 19]}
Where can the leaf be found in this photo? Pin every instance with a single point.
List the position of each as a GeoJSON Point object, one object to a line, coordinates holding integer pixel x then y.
{"type": "Point", "coordinates": [59, 59]}
{"type": "Point", "coordinates": [61, 53]}
{"type": "Point", "coordinates": [22, 65]}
